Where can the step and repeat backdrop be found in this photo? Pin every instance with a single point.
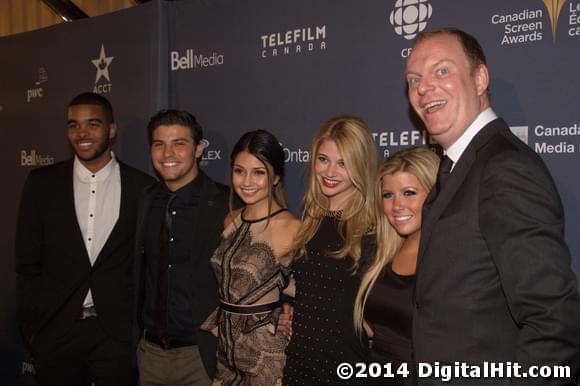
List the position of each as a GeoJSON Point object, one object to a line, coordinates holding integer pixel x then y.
{"type": "Point", "coordinates": [286, 67]}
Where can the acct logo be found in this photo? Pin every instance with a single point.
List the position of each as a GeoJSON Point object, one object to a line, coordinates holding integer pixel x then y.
{"type": "Point", "coordinates": [32, 158]}
{"type": "Point", "coordinates": [102, 64]}
{"type": "Point", "coordinates": [37, 91]}
{"type": "Point", "coordinates": [293, 41]}
{"type": "Point", "coordinates": [409, 17]}
{"type": "Point", "coordinates": [191, 61]}
{"type": "Point", "coordinates": [209, 155]}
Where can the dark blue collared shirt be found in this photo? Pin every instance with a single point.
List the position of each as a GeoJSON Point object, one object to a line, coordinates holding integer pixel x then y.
{"type": "Point", "coordinates": [180, 321]}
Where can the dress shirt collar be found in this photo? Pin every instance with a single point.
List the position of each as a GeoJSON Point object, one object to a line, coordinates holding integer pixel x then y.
{"type": "Point", "coordinates": [455, 151]}
{"type": "Point", "coordinates": [187, 192]}
{"type": "Point", "coordinates": [84, 175]}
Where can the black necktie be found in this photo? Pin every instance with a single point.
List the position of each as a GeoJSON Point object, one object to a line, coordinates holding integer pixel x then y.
{"type": "Point", "coordinates": [443, 173]}
{"type": "Point", "coordinates": [163, 279]}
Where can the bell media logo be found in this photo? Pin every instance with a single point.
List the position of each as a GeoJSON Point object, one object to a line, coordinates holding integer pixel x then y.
{"type": "Point", "coordinates": [102, 64]}
{"type": "Point", "coordinates": [409, 17]}
{"type": "Point", "coordinates": [33, 158]}
{"type": "Point", "coordinates": [191, 60]}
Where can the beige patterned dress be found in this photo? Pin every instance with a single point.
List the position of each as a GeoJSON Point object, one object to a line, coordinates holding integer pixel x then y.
{"type": "Point", "coordinates": [249, 275]}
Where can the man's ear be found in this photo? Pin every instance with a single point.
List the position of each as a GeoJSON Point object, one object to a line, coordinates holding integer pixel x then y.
{"type": "Point", "coordinates": [112, 130]}
{"type": "Point", "coordinates": [481, 79]}
{"type": "Point", "coordinates": [199, 148]}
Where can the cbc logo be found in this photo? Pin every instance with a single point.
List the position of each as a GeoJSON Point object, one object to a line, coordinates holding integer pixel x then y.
{"type": "Point", "coordinates": [409, 17]}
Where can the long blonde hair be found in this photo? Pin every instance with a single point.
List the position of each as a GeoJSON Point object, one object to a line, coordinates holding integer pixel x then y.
{"type": "Point", "coordinates": [423, 164]}
{"type": "Point", "coordinates": [356, 146]}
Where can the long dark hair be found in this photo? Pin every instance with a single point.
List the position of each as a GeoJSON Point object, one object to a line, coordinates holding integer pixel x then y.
{"type": "Point", "coordinates": [265, 147]}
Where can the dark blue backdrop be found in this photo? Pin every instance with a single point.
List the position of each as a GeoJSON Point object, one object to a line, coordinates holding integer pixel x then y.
{"type": "Point", "coordinates": [283, 66]}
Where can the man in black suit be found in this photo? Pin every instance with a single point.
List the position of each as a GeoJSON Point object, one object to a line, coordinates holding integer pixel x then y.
{"type": "Point", "coordinates": [74, 242]}
{"type": "Point", "coordinates": [179, 226]}
{"type": "Point", "coordinates": [494, 281]}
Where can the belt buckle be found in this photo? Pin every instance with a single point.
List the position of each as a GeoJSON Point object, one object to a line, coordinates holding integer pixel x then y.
{"type": "Point", "coordinates": [87, 312]}
{"type": "Point", "coordinates": [165, 342]}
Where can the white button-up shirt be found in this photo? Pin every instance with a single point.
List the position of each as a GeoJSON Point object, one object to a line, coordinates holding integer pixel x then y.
{"type": "Point", "coordinates": [97, 204]}
{"type": "Point", "coordinates": [456, 150]}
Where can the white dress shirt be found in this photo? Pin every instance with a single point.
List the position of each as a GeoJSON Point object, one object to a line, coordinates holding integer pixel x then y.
{"type": "Point", "coordinates": [97, 204]}
{"type": "Point", "coordinates": [456, 150]}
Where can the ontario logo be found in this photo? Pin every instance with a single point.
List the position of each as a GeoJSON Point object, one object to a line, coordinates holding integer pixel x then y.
{"type": "Point", "coordinates": [102, 64]}
{"type": "Point", "coordinates": [409, 17]}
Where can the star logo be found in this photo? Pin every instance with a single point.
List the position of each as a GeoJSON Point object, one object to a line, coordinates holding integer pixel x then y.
{"type": "Point", "coordinates": [102, 64]}
{"type": "Point", "coordinates": [554, 7]}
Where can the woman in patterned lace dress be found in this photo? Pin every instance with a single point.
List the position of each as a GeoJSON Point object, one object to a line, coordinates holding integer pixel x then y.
{"type": "Point", "coordinates": [251, 267]}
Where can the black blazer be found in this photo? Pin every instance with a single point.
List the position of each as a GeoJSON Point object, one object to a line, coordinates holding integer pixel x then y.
{"type": "Point", "coordinates": [53, 268]}
{"type": "Point", "coordinates": [494, 281]}
{"type": "Point", "coordinates": [206, 231]}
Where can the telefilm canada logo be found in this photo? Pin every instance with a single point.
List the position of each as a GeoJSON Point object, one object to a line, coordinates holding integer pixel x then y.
{"type": "Point", "coordinates": [37, 91]}
{"type": "Point", "coordinates": [389, 141]}
{"type": "Point", "coordinates": [103, 83]}
{"type": "Point", "coordinates": [294, 41]}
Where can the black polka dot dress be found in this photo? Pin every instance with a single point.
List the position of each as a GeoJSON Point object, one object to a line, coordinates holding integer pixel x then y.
{"type": "Point", "coordinates": [323, 333]}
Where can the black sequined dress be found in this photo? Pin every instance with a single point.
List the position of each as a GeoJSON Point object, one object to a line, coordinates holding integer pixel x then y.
{"type": "Point", "coordinates": [323, 333]}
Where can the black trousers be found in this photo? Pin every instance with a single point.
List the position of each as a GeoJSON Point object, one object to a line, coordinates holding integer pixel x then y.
{"type": "Point", "coordinates": [84, 355]}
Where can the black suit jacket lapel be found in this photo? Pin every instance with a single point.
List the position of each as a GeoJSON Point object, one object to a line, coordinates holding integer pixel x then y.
{"type": "Point", "coordinates": [435, 207]}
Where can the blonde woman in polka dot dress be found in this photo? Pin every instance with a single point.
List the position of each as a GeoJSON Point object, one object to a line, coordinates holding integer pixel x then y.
{"type": "Point", "coordinates": [331, 245]}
